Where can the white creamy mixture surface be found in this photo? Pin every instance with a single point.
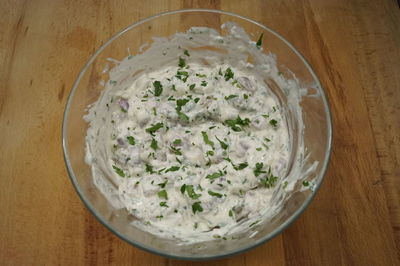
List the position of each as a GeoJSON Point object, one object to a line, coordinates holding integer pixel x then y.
{"type": "Point", "coordinates": [189, 138]}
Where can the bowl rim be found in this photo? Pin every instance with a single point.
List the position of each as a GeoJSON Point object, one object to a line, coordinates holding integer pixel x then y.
{"type": "Point", "coordinates": [139, 245]}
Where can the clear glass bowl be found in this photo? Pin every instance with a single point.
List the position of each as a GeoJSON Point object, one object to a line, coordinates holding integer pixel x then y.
{"type": "Point", "coordinates": [88, 86]}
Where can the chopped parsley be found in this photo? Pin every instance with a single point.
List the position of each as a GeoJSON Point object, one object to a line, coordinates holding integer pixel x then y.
{"type": "Point", "coordinates": [177, 142]}
{"type": "Point", "coordinates": [196, 207]}
{"type": "Point", "coordinates": [223, 144]}
{"type": "Point", "coordinates": [206, 139]}
{"type": "Point", "coordinates": [163, 194]}
{"type": "Point", "coordinates": [182, 116]}
{"type": "Point", "coordinates": [154, 128]}
{"type": "Point", "coordinates": [228, 74]}
{"type": "Point", "coordinates": [231, 96]}
{"type": "Point", "coordinates": [172, 169]}
{"type": "Point", "coordinates": [196, 100]}
{"type": "Point", "coordinates": [236, 123]}
{"type": "Point", "coordinates": [258, 170]}
{"type": "Point", "coordinates": [203, 83]}
{"type": "Point", "coordinates": [192, 86]}
{"type": "Point", "coordinates": [215, 175]}
{"type": "Point", "coordinates": [240, 166]}
{"type": "Point", "coordinates": [163, 184]}
{"type": "Point", "coordinates": [153, 144]}
{"type": "Point", "coordinates": [306, 183]}
{"type": "Point", "coordinates": [273, 122]}
{"type": "Point", "coordinates": [200, 75]}
{"type": "Point", "coordinates": [158, 88]}
{"type": "Point", "coordinates": [131, 140]}
{"type": "Point", "coordinates": [163, 204]}
{"type": "Point", "coordinates": [214, 194]}
{"type": "Point", "coordinates": [230, 213]}
{"type": "Point", "coordinates": [269, 180]}
{"type": "Point", "coordinates": [260, 40]}
{"type": "Point", "coordinates": [285, 184]}
{"type": "Point", "coordinates": [182, 62]}
{"type": "Point", "coordinates": [190, 191]}
{"type": "Point", "coordinates": [181, 102]}
{"type": "Point", "coordinates": [119, 171]}
{"type": "Point", "coordinates": [175, 150]}
{"type": "Point", "coordinates": [149, 169]}
{"type": "Point", "coordinates": [245, 96]}
{"type": "Point", "coordinates": [182, 75]}
{"type": "Point", "coordinates": [186, 52]}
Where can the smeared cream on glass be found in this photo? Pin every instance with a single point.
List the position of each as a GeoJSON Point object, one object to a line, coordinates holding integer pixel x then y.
{"type": "Point", "coordinates": [189, 138]}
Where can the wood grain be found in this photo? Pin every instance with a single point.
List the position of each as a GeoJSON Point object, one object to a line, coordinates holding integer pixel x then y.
{"type": "Point", "coordinates": [354, 46]}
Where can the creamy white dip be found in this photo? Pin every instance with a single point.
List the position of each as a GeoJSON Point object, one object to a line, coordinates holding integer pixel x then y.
{"type": "Point", "coordinates": [189, 138]}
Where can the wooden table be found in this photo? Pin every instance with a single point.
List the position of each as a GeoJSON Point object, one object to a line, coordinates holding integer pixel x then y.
{"type": "Point", "coordinates": [354, 46]}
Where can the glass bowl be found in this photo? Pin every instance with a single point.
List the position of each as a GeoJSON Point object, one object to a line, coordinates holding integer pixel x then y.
{"type": "Point", "coordinates": [316, 135]}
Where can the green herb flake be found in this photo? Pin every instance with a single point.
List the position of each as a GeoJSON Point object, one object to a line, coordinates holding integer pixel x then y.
{"type": "Point", "coordinates": [192, 86]}
{"type": "Point", "coordinates": [203, 83]}
{"type": "Point", "coordinates": [177, 142]}
{"type": "Point", "coordinates": [181, 102]}
{"type": "Point", "coordinates": [215, 175]}
{"type": "Point", "coordinates": [214, 194]}
{"type": "Point", "coordinates": [172, 169]}
{"type": "Point", "coordinates": [190, 191]}
{"type": "Point", "coordinates": [231, 96]}
{"type": "Point", "coordinates": [186, 52]}
{"type": "Point", "coordinates": [273, 122]}
{"type": "Point", "coordinates": [154, 111]}
{"type": "Point", "coordinates": [182, 75]}
{"type": "Point", "coordinates": [259, 149]}
{"type": "Point", "coordinates": [183, 188]}
{"type": "Point", "coordinates": [153, 144]}
{"type": "Point", "coordinates": [131, 140]}
{"type": "Point", "coordinates": [175, 150]}
{"type": "Point", "coordinates": [119, 171]}
{"type": "Point", "coordinates": [200, 75]}
{"type": "Point", "coordinates": [196, 207]}
{"type": "Point", "coordinates": [267, 139]}
{"type": "Point", "coordinates": [260, 41]}
{"type": "Point", "coordinates": [223, 144]}
{"type": "Point", "coordinates": [158, 88]}
{"type": "Point", "coordinates": [164, 204]}
{"type": "Point", "coordinates": [163, 184]}
{"type": "Point", "coordinates": [196, 100]}
{"type": "Point", "coordinates": [230, 213]}
{"type": "Point", "coordinates": [236, 123]}
{"type": "Point", "coordinates": [258, 170]}
{"type": "Point", "coordinates": [210, 153]}
{"type": "Point", "coordinates": [149, 169]}
{"type": "Point", "coordinates": [269, 180]}
{"type": "Point", "coordinates": [240, 166]}
{"type": "Point", "coordinates": [207, 140]}
{"type": "Point", "coordinates": [162, 194]}
{"type": "Point", "coordinates": [285, 184]}
{"type": "Point", "coordinates": [228, 74]}
{"type": "Point", "coordinates": [245, 96]}
{"type": "Point", "coordinates": [182, 62]}
{"type": "Point", "coordinates": [154, 128]}
{"type": "Point", "coordinates": [182, 116]}
{"type": "Point", "coordinates": [306, 183]}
